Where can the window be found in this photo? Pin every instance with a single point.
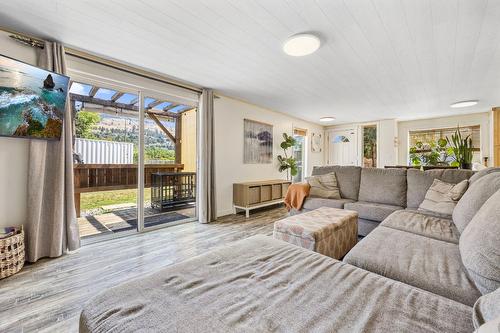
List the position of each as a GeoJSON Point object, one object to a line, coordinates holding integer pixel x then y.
{"type": "Point", "coordinates": [340, 139]}
{"type": "Point", "coordinates": [369, 146]}
{"type": "Point", "coordinates": [299, 153]}
{"type": "Point", "coordinates": [429, 147]}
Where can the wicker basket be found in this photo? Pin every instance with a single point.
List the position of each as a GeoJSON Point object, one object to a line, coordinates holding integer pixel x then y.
{"type": "Point", "coordinates": [11, 254]}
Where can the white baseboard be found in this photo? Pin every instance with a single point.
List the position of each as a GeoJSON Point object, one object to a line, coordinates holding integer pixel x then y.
{"type": "Point", "coordinates": [224, 212]}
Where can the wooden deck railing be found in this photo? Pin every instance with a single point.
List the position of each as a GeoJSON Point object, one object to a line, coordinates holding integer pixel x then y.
{"type": "Point", "coordinates": [109, 177]}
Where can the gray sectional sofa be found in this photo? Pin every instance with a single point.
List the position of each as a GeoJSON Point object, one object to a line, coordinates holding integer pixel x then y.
{"type": "Point", "coordinates": [377, 193]}
{"type": "Point", "coordinates": [459, 262]}
{"type": "Point", "coordinates": [414, 272]}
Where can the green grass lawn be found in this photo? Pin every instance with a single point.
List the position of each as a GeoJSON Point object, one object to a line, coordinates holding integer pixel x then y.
{"type": "Point", "coordinates": [96, 200]}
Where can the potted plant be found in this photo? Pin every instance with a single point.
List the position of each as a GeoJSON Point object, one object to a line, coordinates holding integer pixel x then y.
{"type": "Point", "coordinates": [432, 153]}
{"type": "Point", "coordinates": [288, 164]}
{"type": "Point", "coordinates": [462, 149]}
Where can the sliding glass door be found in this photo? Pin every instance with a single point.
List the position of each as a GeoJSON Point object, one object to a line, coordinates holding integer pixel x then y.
{"type": "Point", "coordinates": [169, 161]}
{"type": "Point", "coordinates": [135, 159]}
{"type": "Point", "coordinates": [105, 159]}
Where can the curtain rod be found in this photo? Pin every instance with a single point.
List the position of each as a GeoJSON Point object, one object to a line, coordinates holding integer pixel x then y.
{"type": "Point", "coordinates": [39, 43]}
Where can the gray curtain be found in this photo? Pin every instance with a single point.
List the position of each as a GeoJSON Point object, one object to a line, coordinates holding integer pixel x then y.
{"type": "Point", "coordinates": [51, 228]}
{"type": "Point", "coordinates": [207, 208]}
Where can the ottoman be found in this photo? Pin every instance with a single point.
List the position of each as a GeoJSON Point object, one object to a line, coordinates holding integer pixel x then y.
{"type": "Point", "coordinates": [329, 231]}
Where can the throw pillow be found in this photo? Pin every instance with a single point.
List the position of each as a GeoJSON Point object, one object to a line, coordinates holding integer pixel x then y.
{"type": "Point", "coordinates": [324, 186]}
{"type": "Point", "coordinates": [442, 197]}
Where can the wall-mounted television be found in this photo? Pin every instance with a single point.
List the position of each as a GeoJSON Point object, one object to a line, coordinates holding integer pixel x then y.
{"type": "Point", "coordinates": [32, 100]}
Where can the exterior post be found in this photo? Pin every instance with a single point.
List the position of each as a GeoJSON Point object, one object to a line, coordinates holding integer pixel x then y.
{"type": "Point", "coordinates": [178, 139]}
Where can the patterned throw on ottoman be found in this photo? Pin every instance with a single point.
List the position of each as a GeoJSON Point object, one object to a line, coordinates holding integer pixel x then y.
{"type": "Point", "coordinates": [329, 231]}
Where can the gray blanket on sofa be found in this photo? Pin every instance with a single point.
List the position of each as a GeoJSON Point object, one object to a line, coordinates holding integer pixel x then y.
{"type": "Point", "coordinates": [263, 285]}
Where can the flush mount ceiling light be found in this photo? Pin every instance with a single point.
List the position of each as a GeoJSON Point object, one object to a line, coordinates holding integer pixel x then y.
{"type": "Point", "coordinates": [464, 104]}
{"type": "Point", "coordinates": [326, 119]}
{"type": "Point", "coordinates": [301, 44]}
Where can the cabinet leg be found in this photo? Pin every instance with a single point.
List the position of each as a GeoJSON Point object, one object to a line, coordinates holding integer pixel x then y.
{"type": "Point", "coordinates": [247, 213]}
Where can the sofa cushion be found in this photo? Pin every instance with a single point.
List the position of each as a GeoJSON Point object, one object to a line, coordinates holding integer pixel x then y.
{"type": "Point", "coordinates": [477, 194]}
{"type": "Point", "coordinates": [372, 211]}
{"type": "Point", "coordinates": [442, 197]}
{"type": "Point", "coordinates": [480, 246]}
{"type": "Point", "coordinates": [366, 226]}
{"type": "Point", "coordinates": [423, 224]}
{"type": "Point", "coordinates": [420, 181]}
{"type": "Point", "coordinates": [416, 260]}
{"type": "Point", "coordinates": [428, 213]}
{"type": "Point", "coordinates": [385, 186]}
{"type": "Point", "coordinates": [324, 186]}
{"type": "Point", "coordinates": [486, 308]}
{"type": "Point", "coordinates": [348, 178]}
{"type": "Point", "coordinates": [480, 174]}
{"type": "Point", "coordinates": [264, 285]}
{"type": "Point", "coordinates": [313, 203]}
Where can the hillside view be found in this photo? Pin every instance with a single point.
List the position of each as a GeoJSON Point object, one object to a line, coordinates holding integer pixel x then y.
{"type": "Point", "coordinates": [124, 128]}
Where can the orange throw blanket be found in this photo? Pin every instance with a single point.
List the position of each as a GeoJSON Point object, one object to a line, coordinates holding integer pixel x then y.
{"type": "Point", "coordinates": [296, 195]}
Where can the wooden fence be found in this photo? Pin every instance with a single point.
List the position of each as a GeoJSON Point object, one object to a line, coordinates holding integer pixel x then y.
{"type": "Point", "coordinates": [109, 177]}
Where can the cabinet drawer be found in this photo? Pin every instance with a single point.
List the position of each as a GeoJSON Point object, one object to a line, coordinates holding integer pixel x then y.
{"type": "Point", "coordinates": [266, 193]}
{"type": "Point", "coordinates": [277, 191]}
{"type": "Point", "coordinates": [253, 195]}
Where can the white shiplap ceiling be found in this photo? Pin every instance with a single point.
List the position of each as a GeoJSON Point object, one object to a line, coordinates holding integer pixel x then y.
{"type": "Point", "coordinates": [380, 59]}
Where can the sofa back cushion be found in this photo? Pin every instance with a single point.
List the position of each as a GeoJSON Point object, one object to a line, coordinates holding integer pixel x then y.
{"type": "Point", "coordinates": [476, 176]}
{"type": "Point", "coordinates": [420, 181]}
{"type": "Point", "coordinates": [385, 186]}
{"type": "Point", "coordinates": [479, 191]}
{"type": "Point", "coordinates": [348, 178]}
{"type": "Point", "coordinates": [480, 246]}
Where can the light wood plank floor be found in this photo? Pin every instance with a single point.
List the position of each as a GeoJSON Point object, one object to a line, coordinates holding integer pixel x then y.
{"type": "Point", "coordinates": [48, 296]}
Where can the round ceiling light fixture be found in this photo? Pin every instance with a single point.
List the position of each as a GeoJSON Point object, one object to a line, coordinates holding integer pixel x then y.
{"type": "Point", "coordinates": [326, 119]}
{"type": "Point", "coordinates": [464, 104]}
{"type": "Point", "coordinates": [301, 45]}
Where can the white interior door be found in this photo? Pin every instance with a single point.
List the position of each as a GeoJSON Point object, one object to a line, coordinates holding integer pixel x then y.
{"type": "Point", "coordinates": [343, 147]}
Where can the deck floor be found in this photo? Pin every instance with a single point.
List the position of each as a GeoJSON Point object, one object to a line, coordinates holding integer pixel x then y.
{"type": "Point", "coordinates": [126, 219]}
{"type": "Point", "coordinates": [48, 296]}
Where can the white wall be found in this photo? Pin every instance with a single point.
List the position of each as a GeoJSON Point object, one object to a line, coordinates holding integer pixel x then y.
{"type": "Point", "coordinates": [229, 116]}
{"type": "Point", "coordinates": [387, 148]}
{"type": "Point", "coordinates": [14, 152]}
{"type": "Point", "coordinates": [482, 119]}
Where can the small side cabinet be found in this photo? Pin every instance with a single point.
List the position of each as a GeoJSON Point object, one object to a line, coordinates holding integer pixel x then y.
{"type": "Point", "coordinates": [251, 195]}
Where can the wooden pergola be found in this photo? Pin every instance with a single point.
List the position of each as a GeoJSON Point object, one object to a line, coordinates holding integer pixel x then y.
{"type": "Point", "coordinates": [109, 177]}
{"type": "Point", "coordinates": [110, 106]}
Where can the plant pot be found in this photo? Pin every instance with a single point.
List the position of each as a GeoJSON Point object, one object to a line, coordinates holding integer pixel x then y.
{"type": "Point", "coordinates": [467, 166]}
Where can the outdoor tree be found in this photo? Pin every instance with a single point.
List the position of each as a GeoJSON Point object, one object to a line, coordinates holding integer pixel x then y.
{"type": "Point", "coordinates": [370, 142]}
{"type": "Point", "coordinates": [84, 123]}
{"type": "Point", "coordinates": [155, 153]}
